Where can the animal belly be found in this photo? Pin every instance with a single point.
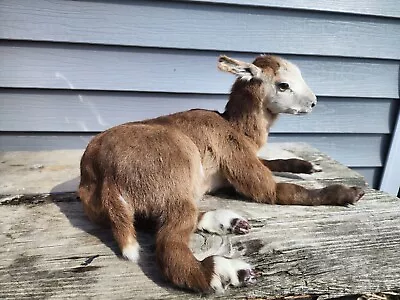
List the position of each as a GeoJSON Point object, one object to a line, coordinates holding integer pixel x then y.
{"type": "Point", "coordinates": [214, 181]}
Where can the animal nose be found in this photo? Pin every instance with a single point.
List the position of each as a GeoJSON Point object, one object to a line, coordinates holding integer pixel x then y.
{"type": "Point", "coordinates": [313, 100]}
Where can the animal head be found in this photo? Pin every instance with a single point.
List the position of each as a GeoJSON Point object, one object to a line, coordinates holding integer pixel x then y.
{"type": "Point", "coordinates": [282, 88]}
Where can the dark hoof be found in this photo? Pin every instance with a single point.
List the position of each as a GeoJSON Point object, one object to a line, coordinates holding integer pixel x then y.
{"type": "Point", "coordinates": [303, 166]}
{"type": "Point", "coordinates": [247, 276]}
{"type": "Point", "coordinates": [338, 194]}
{"type": "Point", "coordinates": [359, 192]}
{"type": "Point", "coordinates": [240, 226]}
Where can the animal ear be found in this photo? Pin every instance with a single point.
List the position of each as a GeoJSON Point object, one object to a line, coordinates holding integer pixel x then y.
{"type": "Point", "coordinates": [241, 69]}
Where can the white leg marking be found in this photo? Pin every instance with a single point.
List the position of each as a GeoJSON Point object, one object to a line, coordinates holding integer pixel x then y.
{"type": "Point", "coordinates": [201, 171]}
{"type": "Point", "coordinates": [131, 252]}
{"type": "Point", "coordinates": [122, 200]}
{"type": "Point", "coordinates": [226, 273]}
{"type": "Point", "coordinates": [222, 221]}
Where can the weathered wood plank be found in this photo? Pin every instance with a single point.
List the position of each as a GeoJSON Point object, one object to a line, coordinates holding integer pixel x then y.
{"type": "Point", "coordinates": [351, 149]}
{"type": "Point", "coordinates": [25, 172]}
{"type": "Point", "coordinates": [50, 250]}
{"type": "Point", "coordinates": [387, 8]}
{"type": "Point", "coordinates": [319, 250]}
{"type": "Point", "coordinates": [39, 110]}
{"type": "Point", "coordinates": [29, 172]}
{"type": "Point", "coordinates": [27, 177]}
{"type": "Point", "coordinates": [88, 67]}
{"type": "Point", "coordinates": [201, 26]}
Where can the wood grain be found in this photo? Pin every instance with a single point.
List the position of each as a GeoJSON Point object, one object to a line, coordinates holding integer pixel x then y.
{"type": "Point", "coordinates": [50, 250]}
{"type": "Point", "coordinates": [58, 171]}
{"type": "Point", "coordinates": [201, 26]}
{"type": "Point", "coordinates": [344, 148]}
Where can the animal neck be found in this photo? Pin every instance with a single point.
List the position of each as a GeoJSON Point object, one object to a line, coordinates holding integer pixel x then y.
{"type": "Point", "coordinates": [246, 113]}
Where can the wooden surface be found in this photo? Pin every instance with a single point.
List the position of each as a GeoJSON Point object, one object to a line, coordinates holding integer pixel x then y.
{"type": "Point", "coordinates": [50, 250]}
{"type": "Point", "coordinates": [344, 148]}
{"type": "Point", "coordinates": [363, 153]}
{"type": "Point", "coordinates": [199, 26]}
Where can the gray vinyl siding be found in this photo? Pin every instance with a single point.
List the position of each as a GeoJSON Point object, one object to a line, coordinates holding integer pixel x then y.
{"type": "Point", "coordinates": [72, 69]}
{"type": "Point", "coordinates": [386, 8]}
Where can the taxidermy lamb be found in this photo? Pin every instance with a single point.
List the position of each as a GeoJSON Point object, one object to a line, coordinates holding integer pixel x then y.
{"type": "Point", "coordinates": [161, 168]}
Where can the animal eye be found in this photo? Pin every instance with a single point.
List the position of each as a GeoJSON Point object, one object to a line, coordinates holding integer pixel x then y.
{"type": "Point", "coordinates": [283, 86]}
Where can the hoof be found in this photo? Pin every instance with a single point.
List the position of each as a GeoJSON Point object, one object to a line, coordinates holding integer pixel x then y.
{"type": "Point", "coordinates": [239, 226]}
{"type": "Point", "coordinates": [338, 194]}
{"type": "Point", "coordinates": [228, 271]}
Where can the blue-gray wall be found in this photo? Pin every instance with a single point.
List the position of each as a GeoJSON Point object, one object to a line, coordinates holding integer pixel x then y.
{"type": "Point", "coordinates": [69, 69]}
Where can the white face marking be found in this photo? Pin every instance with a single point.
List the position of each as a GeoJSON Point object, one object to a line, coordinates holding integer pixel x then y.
{"type": "Point", "coordinates": [297, 98]}
{"type": "Point", "coordinates": [131, 252]}
{"type": "Point", "coordinates": [286, 92]}
{"type": "Point", "coordinates": [226, 273]}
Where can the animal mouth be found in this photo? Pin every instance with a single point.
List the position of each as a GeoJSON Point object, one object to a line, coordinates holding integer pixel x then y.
{"type": "Point", "coordinates": [297, 112]}
{"type": "Point", "coordinates": [302, 113]}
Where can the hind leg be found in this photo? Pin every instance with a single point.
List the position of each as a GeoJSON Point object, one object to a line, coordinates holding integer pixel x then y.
{"type": "Point", "coordinates": [89, 194]}
{"type": "Point", "coordinates": [104, 205]}
{"type": "Point", "coordinates": [125, 234]}
{"type": "Point", "coordinates": [121, 217]}
{"type": "Point", "coordinates": [178, 264]}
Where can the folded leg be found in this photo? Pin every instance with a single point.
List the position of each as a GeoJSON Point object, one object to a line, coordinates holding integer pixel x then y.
{"type": "Point", "coordinates": [222, 221]}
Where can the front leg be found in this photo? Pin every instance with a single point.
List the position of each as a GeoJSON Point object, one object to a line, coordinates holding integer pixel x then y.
{"type": "Point", "coordinates": [222, 221]}
{"type": "Point", "coordinates": [247, 174]}
{"type": "Point", "coordinates": [336, 194]}
{"type": "Point", "coordinates": [292, 165]}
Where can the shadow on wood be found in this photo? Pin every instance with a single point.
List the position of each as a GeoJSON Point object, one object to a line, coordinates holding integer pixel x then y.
{"type": "Point", "coordinates": [145, 233]}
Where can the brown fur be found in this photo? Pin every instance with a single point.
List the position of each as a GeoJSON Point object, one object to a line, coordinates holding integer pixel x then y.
{"type": "Point", "coordinates": [268, 62]}
{"type": "Point", "coordinates": [292, 165]}
{"type": "Point", "coordinates": [162, 167]}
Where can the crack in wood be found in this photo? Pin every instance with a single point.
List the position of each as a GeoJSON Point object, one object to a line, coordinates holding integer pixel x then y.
{"type": "Point", "coordinates": [89, 260]}
{"type": "Point", "coordinates": [37, 199]}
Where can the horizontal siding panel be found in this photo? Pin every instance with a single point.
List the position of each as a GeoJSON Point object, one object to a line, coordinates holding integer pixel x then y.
{"type": "Point", "coordinates": [40, 110]}
{"type": "Point", "coordinates": [201, 26]}
{"type": "Point", "coordinates": [65, 66]}
{"type": "Point", "coordinates": [371, 175]}
{"type": "Point", "coordinates": [385, 8]}
{"type": "Point", "coordinates": [351, 150]}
